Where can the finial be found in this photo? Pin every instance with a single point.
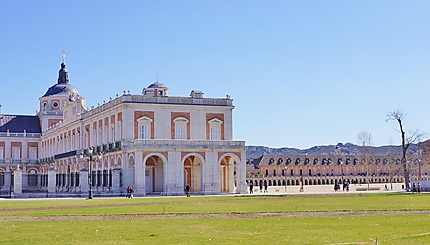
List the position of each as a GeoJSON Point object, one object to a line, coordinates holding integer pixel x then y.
{"type": "Point", "coordinates": [63, 57]}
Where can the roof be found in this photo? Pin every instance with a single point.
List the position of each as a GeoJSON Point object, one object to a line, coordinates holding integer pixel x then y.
{"type": "Point", "coordinates": [62, 89]}
{"type": "Point", "coordinates": [19, 123]}
{"type": "Point", "coordinates": [157, 85]}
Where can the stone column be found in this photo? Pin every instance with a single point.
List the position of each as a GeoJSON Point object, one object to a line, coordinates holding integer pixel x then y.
{"type": "Point", "coordinates": [17, 181]}
{"type": "Point", "coordinates": [174, 174]}
{"type": "Point", "coordinates": [139, 172]}
{"type": "Point", "coordinates": [241, 174]}
{"type": "Point", "coordinates": [116, 178]}
{"type": "Point", "coordinates": [83, 181]}
{"type": "Point", "coordinates": [211, 174]}
{"type": "Point", "coordinates": [51, 180]}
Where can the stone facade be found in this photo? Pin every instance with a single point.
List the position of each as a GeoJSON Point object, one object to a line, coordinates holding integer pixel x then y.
{"type": "Point", "coordinates": [153, 142]}
{"type": "Point", "coordinates": [278, 170]}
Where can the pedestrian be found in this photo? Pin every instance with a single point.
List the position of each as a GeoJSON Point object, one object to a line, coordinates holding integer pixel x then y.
{"type": "Point", "coordinates": [187, 190]}
{"type": "Point", "coordinates": [261, 187]}
{"type": "Point", "coordinates": [129, 192]}
{"type": "Point", "coordinates": [265, 187]}
{"type": "Point", "coordinates": [419, 187]}
{"type": "Point", "coordinates": [414, 188]}
{"type": "Point", "coordinates": [251, 187]}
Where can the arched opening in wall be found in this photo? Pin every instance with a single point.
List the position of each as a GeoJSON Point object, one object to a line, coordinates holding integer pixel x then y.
{"type": "Point", "coordinates": [154, 180]}
{"type": "Point", "coordinates": [32, 178]}
{"type": "Point", "coordinates": [331, 182]}
{"type": "Point", "coordinates": [322, 182]}
{"type": "Point", "coordinates": [228, 173]}
{"type": "Point", "coordinates": [261, 183]}
{"type": "Point", "coordinates": [256, 183]}
{"type": "Point", "coordinates": [288, 182]}
{"type": "Point", "coordinates": [306, 182]}
{"type": "Point", "coordinates": [270, 183]}
{"type": "Point", "coordinates": [297, 182]}
{"type": "Point", "coordinates": [274, 182]}
{"type": "Point", "coordinates": [193, 173]}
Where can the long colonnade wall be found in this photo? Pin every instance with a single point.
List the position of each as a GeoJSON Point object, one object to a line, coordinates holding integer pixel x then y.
{"type": "Point", "coordinates": [276, 170]}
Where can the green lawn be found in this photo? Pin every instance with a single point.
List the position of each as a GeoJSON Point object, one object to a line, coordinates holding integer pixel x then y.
{"type": "Point", "coordinates": [291, 219]}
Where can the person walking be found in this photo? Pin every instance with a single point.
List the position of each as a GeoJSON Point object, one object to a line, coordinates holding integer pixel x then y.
{"type": "Point", "coordinates": [265, 187]}
{"type": "Point", "coordinates": [251, 187]}
{"type": "Point", "coordinates": [129, 192]}
{"type": "Point", "coordinates": [187, 190]}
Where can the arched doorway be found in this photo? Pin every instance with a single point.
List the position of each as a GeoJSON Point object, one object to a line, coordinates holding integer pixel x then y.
{"type": "Point", "coordinates": [193, 172]}
{"type": "Point", "coordinates": [154, 178]}
{"type": "Point", "coordinates": [228, 173]}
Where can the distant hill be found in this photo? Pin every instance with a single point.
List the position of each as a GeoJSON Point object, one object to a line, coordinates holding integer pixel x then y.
{"type": "Point", "coordinates": [253, 152]}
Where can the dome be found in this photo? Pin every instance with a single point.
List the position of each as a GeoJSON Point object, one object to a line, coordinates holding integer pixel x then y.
{"type": "Point", "coordinates": [157, 85]}
{"type": "Point", "coordinates": [62, 89]}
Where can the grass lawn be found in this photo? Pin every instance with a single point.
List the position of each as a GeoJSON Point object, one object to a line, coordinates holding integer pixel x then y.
{"type": "Point", "coordinates": [391, 218]}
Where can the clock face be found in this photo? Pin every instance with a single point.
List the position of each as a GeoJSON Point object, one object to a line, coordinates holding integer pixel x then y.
{"type": "Point", "coordinates": [55, 104]}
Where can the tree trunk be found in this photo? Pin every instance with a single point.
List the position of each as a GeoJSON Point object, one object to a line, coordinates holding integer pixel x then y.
{"type": "Point", "coordinates": [404, 149]}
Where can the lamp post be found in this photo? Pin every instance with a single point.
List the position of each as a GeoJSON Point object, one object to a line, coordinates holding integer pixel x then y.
{"type": "Point", "coordinates": [285, 175]}
{"type": "Point", "coordinates": [336, 154]}
{"type": "Point", "coordinates": [89, 158]}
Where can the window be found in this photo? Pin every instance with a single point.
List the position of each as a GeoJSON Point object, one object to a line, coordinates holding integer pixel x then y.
{"type": "Point", "coordinates": [1, 153]}
{"type": "Point", "coordinates": [180, 128]}
{"type": "Point", "coordinates": [32, 178]}
{"type": "Point", "coordinates": [33, 153]}
{"type": "Point", "coordinates": [144, 127]}
{"type": "Point", "coordinates": [144, 132]}
{"type": "Point", "coordinates": [215, 129]}
{"type": "Point", "coordinates": [16, 154]}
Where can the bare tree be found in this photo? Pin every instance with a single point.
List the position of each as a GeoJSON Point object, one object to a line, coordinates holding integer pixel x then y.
{"type": "Point", "coordinates": [365, 140]}
{"type": "Point", "coordinates": [412, 138]}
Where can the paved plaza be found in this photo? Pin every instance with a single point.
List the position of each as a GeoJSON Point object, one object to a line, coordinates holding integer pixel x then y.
{"type": "Point", "coordinates": [324, 189]}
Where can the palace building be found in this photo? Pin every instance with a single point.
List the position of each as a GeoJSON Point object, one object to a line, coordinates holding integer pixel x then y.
{"type": "Point", "coordinates": [328, 169]}
{"type": "Point", "coordinates": [152, 142]}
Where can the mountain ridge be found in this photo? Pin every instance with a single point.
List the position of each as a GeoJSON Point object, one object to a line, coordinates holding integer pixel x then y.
{"type": "Point", "coordinates": [253, 152]}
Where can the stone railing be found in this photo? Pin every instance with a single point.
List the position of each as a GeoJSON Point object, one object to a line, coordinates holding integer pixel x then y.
{"type": "Point", "coordinates": [187, 143]}
{"type": "Point", "coordinates": [127, 98]}
{"type": "Point", "coordinates": [22, 135]}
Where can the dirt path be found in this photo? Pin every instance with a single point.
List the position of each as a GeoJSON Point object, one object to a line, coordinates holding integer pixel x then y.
{"type": "Point", "coordinates": [209, 216]}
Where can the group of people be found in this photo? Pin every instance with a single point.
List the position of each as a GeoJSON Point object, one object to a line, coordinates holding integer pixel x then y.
{"type": "Point", "coordinates": [251, 187]}
{"type": "Point", "coordinates": [416, 188]}
{"type": "Point", "coordinates": [345, 186]}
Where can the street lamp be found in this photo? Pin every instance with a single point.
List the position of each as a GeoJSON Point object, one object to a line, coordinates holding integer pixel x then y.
{"type": "Point", "coordinates": [285, 175]}
{"type": "Point", "coordinates": [336, 154]}
{"type": "Point", "coordinates": [90, 159]}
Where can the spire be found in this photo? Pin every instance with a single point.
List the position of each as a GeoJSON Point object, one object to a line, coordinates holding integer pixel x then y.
{"type": "Point", "coordinates": [63, 76]}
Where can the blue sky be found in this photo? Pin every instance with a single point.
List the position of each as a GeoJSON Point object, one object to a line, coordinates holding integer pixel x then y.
{"type": "Point", "coordinates": [301, 73]}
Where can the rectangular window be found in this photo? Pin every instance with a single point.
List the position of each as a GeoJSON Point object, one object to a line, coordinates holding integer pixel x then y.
{"type": "Point", "coordinates": [33, 154]}
{"type": "Point", "coordinates": [145, 132]}
{"type": "Point", "coordinates": [180, 132]}
{"type": "Point", "coordinates": [16, 154]}
{"type": "Point", "coordinates": [215, 133]}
